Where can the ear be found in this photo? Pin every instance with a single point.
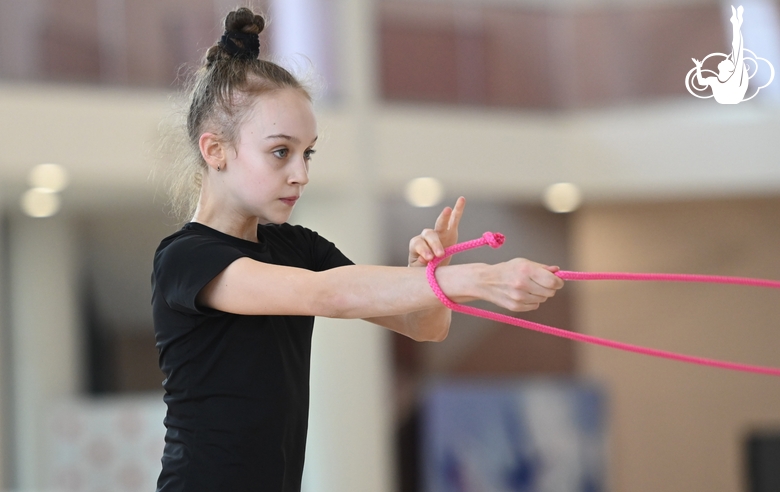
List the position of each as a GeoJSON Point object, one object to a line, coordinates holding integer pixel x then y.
{"type": "Point", "coordinates": [213, 150]}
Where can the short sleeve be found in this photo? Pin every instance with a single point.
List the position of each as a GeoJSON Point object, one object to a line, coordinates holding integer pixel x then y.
{"type": "Point", "coordinates": [184, 266]}
{"type": "Point", "coordinates": [326, 254]}
{"type": "Point", "coordinates": [329, 256]}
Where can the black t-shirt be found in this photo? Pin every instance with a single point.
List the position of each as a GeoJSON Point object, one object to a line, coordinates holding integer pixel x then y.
{"type": "Point", "coordinates": [237, 387]}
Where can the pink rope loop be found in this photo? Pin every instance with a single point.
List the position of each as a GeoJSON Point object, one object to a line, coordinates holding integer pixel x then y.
{"type": "Point", "coordinates": [495, 240]}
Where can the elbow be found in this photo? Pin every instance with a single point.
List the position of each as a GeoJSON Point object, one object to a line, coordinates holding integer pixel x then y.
{"type": "Point", "coordinates": [433, 329]}
{"type": "Point", "coordinates": [436, 333]}
{"type": "Point", "coordinates": [441, 336]}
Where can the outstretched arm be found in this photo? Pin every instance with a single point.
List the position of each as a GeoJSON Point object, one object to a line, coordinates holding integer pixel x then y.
{"type": "Point", "coordinates": [250, 287]}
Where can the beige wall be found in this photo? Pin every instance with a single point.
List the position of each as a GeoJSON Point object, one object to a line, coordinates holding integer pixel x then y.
{"type": "Point", "coordinates": [677, 427]}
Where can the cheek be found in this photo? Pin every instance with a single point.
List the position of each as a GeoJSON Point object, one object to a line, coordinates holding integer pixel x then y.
{"type": "Point", "coordinates": [258, 182]}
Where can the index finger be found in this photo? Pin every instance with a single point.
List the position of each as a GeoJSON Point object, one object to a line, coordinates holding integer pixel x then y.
{"type": "Point", "coordinates": [457, 213]}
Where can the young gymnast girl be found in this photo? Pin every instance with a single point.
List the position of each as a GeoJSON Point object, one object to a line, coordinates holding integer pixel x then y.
{"type": "Point", "coordinates": [235, 291]}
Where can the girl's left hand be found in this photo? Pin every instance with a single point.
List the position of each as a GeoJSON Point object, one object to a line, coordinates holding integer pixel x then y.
{"type": "Point", "coordinates": [431, 242]}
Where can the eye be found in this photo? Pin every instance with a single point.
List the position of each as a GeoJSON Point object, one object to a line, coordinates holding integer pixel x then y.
{"type": "Point", "coordinates": [308, 154]}
{"type": "Point", "coordinates": [280, 153]}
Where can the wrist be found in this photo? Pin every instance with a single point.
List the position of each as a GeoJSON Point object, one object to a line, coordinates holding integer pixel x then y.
{"type": "Point", "coordinates": [462, 283]}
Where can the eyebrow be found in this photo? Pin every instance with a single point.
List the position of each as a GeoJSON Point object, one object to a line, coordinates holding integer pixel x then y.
{"type": "Point", "coordinates": [288, 137]}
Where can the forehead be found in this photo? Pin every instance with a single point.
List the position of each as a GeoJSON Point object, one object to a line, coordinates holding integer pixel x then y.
{"type": "Point", "coordinates": [285, 111]}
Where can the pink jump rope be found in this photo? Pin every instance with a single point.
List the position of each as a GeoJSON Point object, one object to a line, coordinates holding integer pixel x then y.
{"type": "Point", "coordinates": [495, 240]}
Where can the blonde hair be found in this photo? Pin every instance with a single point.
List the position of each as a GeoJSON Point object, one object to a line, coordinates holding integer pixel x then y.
{"type": "Point", "coordinates": [221, 94]}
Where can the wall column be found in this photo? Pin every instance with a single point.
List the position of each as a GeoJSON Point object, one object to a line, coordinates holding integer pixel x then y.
{"type": "Point", "coordinates": [350, 444]}
{"type": "Point", "coordinates": [44, 319]}
{"type": "Point", "coordinates": [350, 439]}
{"type": "Point", "coordinates": [5, 363]}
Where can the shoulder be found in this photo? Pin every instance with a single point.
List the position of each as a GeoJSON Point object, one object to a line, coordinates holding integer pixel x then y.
{"type": "Point", "coordinates": [186, 237]}
{"type": "Point", "coordinates": [193, 242]}
{"type": "Point", "coordinates": [186, 261]}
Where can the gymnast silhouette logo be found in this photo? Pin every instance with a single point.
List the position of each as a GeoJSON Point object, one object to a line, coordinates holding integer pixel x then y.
{"type": "Point", "coordinates": [730, 84]}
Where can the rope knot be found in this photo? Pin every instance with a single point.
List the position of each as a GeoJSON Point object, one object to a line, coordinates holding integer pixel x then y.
{"type": "Point", "coordinates": [494, 239]}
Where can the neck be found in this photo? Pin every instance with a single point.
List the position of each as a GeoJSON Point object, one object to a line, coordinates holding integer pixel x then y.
{"type": "Point", "coordinates": [221, 216]}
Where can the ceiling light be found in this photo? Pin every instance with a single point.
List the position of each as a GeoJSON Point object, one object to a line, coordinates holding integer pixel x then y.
{"type": "Point", "coordinates": [424, 192]}
{"type": "Point", "coordinates": [40, 202]}
{"type": "Point", "coordinates": [562, 198]}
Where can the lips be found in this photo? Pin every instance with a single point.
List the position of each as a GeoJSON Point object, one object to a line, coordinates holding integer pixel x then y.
{"type": "Point", "coordinates": [290, 200]}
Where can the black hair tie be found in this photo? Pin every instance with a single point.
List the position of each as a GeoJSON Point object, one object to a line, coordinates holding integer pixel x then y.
{"type": "Point", "coordinates": [240, 44]}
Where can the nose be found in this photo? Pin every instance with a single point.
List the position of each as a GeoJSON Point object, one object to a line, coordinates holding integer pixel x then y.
{"type": "Point", "coordinates": [300, 172]}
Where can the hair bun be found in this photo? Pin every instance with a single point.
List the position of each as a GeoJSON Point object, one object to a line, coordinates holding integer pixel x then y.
{"type": "Point", "coordinates": [244, 20]}
{"type": "Point", "coordinates": [241, 39]}
{"type": "Point", "coordinates": [239, 44]}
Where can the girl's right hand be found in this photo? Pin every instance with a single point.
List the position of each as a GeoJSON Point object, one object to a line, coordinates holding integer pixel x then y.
{"type": "Point", "coordinates": [520, 284]}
